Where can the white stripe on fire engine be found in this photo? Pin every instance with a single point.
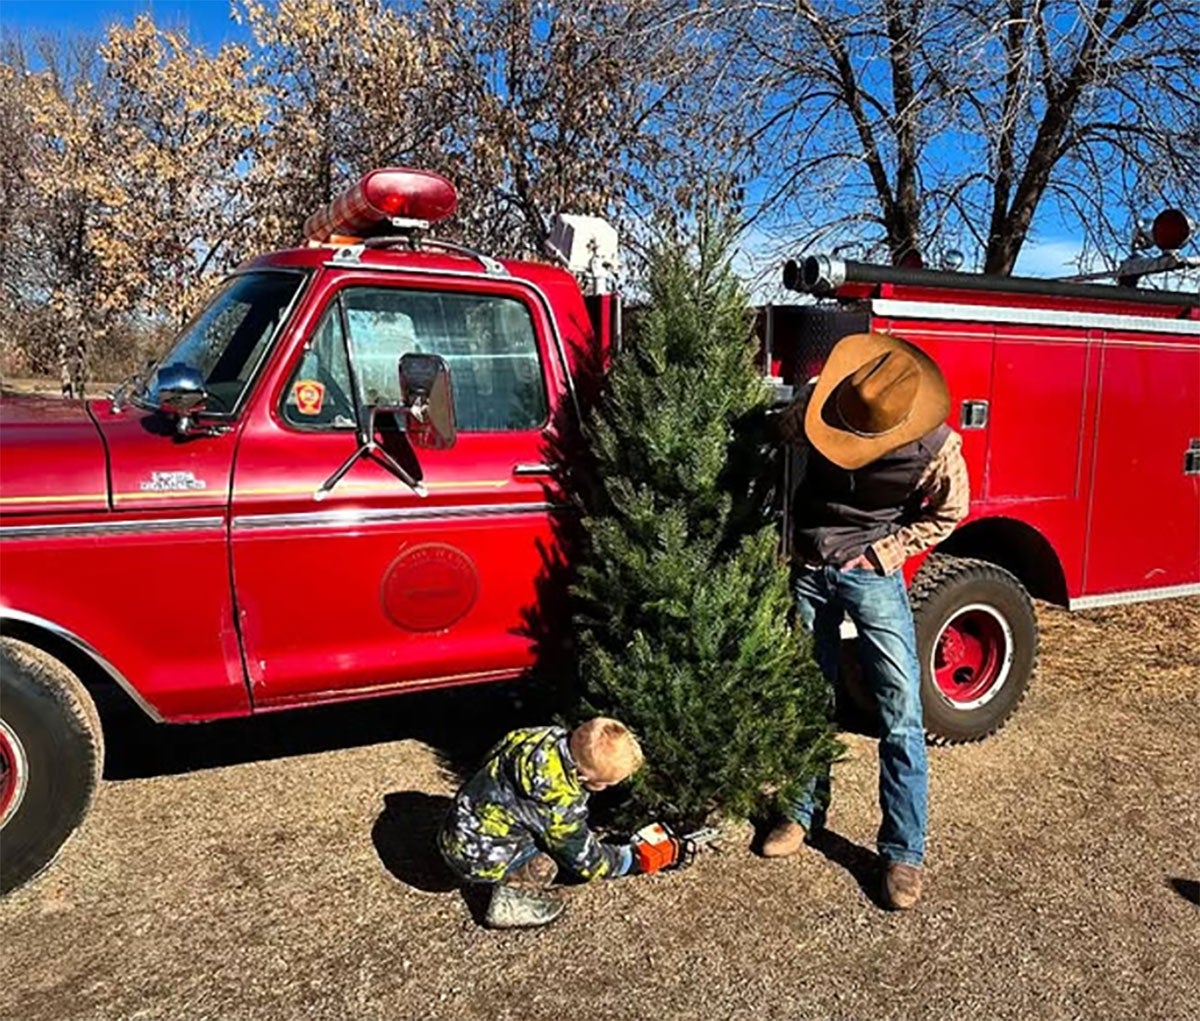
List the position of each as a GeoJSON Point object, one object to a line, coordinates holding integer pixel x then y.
{"type": "Point", "coordinates": [1034, 317]}
{"type": "Point", "coordinates": [385, 515]}
{"type": "Point", "coordinates": [1135, 596]}
{"type": "Point", "coordinates": [140, 526]}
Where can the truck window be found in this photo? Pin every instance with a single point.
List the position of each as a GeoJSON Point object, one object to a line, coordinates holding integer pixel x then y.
{"type": "Point", "coordinates": [227, 341]}
{"type": "Point", "coordinates": [318, 395]}
{"type": "Point", "coordinates": [488, 341]}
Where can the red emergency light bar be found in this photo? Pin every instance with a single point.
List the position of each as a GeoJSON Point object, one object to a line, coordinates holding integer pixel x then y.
{"type": "Point", "coordinates": [393, 195]}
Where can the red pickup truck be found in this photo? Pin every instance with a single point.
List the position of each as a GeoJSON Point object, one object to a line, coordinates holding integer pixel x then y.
{"type": "Point", "coordinates": [336, 485]}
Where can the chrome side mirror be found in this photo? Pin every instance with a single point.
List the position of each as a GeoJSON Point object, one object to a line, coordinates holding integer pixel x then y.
{"type": "Point", "coordinates": [181, 395]}
{"type": "Point", "coordinates": [428, 401]}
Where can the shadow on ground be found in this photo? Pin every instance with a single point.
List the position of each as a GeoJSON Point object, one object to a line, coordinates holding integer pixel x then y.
{"type": "Point", "coordinates": [1188, 889]}
{"type": "Point", "coordinates": [459, 724]}
{"type": "Point", "coordinates": [405, 838]}
{"type": "Point", "coordinates": [863, 864]}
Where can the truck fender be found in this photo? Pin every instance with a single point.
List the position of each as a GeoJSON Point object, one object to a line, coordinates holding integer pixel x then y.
{"type": "Point", "coordinates": [1018, 548]}
{"type": "Point", "coordinates": [65, 645]}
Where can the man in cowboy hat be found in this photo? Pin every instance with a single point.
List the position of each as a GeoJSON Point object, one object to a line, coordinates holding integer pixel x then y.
{"type": "Point", "coordinates": [884, 479]}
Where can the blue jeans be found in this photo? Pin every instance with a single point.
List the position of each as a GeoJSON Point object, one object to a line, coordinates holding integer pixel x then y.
{"type": "Point", "coordinates": [887, 644]}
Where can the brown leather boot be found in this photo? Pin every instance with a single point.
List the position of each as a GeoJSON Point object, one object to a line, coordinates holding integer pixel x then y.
{"type": "Point", "coordinates": [902, 885]}
{"type": "Point", "coordinates": [786, 838]}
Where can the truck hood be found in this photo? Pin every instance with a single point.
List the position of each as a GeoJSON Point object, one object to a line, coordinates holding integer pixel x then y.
{"type": "Point", "coordinates": [51, 457]}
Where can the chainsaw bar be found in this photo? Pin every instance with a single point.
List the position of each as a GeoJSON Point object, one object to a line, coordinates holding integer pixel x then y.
{"type": "Point", "coordinates": [691, 843]}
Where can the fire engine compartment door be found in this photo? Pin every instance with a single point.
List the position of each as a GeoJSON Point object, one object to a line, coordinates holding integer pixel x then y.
{"type": "Point", "coordinates": [376, 586]}
{"type": "Point", "coordinates": [1144, 520]}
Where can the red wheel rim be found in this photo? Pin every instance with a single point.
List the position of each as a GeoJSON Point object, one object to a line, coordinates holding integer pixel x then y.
{"type": "Point", "coordinates": [14, 772]}
{"type": "Point", "coordinates": [972, 656]}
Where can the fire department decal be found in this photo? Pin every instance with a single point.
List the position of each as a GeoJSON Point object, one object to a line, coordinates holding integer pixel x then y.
{"type": "Point", "coordinates": [310, 396]}
{"type": "Point", "coordinates": [172, 482]}
{"type": "Point", "coordinates": [429, 587]}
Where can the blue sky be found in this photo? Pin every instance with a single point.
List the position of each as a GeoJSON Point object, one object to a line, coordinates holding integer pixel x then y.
{"type": "Point", "coordinates": [208, 22]}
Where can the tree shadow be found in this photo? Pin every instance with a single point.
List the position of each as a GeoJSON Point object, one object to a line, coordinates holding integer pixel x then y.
{"type": "Point", "coordinates": [1188, 889]}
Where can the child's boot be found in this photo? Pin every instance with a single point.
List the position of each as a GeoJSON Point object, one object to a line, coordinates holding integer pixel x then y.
{"type": "Point", "coordinates": [513, 907]}
{"type": "Point", "coordinates": [536, 874]}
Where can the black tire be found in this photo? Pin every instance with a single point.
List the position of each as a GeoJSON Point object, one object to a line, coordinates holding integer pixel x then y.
{"type": "Point", "coordinates": [982, 598]}
{"type": "Point", "coordinates": [57, 729]}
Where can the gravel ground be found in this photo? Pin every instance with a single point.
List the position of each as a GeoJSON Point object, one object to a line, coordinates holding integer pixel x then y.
{"type": "Point", "coordinates": [280, 868]}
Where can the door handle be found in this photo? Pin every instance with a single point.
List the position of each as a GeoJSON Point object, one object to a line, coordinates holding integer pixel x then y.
{"type": "Point", "coordinates": [1191, 459]}
{"type": "Point", "coordinates": [974, 415]}
{"type": "Point", "coordinates": [531, 469]}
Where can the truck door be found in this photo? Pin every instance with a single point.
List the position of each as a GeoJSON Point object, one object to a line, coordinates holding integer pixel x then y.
{"type": "Point", "coordinates": [176, 634]}
{"type": "Point", "coordinates": [375, 585]}
{"type": "Point", "coordinates": [1145, 503]}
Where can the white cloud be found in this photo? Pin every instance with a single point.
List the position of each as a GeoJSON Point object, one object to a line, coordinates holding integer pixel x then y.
{"type": "Point", "coordinates": [1054, 257]}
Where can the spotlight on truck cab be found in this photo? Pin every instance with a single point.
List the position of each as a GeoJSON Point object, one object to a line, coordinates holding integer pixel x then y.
{"type": "Point", "coordinates": [586, 246]}
{"type": "Point", "coordinates": [399, 198]}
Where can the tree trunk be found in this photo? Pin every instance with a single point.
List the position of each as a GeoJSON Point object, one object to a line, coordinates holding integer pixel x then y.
{"type": "Point", "coordinates": [904, 226]}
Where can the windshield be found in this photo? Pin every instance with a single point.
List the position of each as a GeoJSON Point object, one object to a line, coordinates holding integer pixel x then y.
{"type": "Point", "coordinates": [228, 339]}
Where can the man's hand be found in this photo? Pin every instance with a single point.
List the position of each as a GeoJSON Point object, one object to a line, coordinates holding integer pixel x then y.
{"type": "Point", "coordinates": [861, 561]}
{"type": "Point", "coordinates": [867, 561]}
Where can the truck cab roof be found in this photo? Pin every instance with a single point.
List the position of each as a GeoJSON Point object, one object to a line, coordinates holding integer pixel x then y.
{"type": "Point", "coordinates": [401, 257]}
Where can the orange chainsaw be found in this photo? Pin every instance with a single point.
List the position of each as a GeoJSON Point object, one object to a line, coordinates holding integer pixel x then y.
{"type": "Point", "coordinates": [657, 847]}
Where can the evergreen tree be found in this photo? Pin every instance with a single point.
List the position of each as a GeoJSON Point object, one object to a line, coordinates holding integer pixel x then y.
{"type": "Point", "coordinates": [682, 599]}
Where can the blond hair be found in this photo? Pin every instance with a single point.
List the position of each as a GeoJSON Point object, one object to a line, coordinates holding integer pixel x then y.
{"type": "Point", "coordinates": [606, 748]}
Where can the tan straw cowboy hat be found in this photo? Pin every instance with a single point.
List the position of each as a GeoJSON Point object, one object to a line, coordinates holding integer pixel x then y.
{"type": "Point", "coordinates": [875, 394]}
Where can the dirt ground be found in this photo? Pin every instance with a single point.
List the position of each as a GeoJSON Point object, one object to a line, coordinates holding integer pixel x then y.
{"type": "Point", "coordinates": [282, 867]}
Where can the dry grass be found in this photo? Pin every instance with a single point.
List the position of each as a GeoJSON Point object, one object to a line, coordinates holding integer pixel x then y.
{"type": "Point", "coordinates": [282, 886]}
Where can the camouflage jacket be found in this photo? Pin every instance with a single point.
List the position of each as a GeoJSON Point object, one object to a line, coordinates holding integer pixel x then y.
{"type": "Point", "coordinates": [527, 795]}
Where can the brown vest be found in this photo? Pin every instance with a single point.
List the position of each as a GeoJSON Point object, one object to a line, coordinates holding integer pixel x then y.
{"type": "Point", "coordinates": [839, 513]}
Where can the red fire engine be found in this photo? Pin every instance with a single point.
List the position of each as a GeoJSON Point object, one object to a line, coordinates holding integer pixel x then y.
{"type": "Point", "coordinates": [1079, 408]}
{"type": "Point", "coordinates": [335, 485]}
